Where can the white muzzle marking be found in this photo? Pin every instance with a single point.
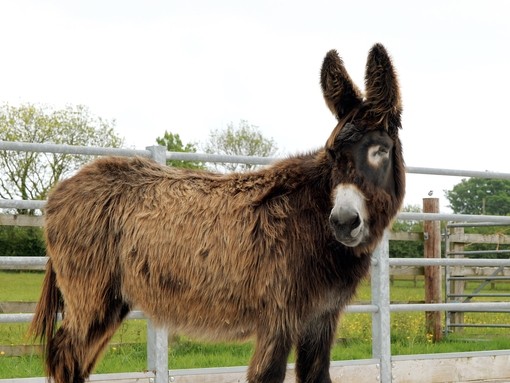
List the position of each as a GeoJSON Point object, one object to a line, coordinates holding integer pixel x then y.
{"type": "Point", "coordinates": [349, 215]}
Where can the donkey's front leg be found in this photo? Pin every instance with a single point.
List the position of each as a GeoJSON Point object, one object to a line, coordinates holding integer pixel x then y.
{"type": "Point", "coordinates": [314, 349]}
{"type": "Point", "coordinates": [269, 362]}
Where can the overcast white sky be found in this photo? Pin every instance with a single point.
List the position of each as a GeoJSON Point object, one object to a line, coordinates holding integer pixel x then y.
{"type": "Point", "coordinates": [192, 66]}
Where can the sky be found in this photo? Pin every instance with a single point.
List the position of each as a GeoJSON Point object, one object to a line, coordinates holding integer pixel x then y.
{"type": "Point", "coordinates": [190, 67]}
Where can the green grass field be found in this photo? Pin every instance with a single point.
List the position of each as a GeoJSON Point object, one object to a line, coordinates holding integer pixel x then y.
{"type": "Point", "coordinates": [127, 351]}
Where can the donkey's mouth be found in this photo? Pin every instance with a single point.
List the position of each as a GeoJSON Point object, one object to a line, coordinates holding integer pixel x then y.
{"type": "Point", "coordinates": [350, 237]}
{"type": "Point", "coordinates": [350, 241]}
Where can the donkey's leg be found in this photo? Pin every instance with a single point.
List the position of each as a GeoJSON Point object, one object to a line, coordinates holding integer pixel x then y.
{"type": "Point", "coordinates": [62, 359]}
{"type": "Point", "coordinates": [269, 362]}
{"type": "Point", "coordinates": [100, 332]}
{"type": "Point", "coordinates": [76, 346]}
{"type": "Point", "coordinates": [314, 348]}
{"type": "Point", "coordinates": [92, 313]}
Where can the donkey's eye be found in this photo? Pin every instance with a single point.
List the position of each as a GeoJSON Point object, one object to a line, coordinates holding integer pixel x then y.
{"type": "Point", "coordinates": [377, 154]}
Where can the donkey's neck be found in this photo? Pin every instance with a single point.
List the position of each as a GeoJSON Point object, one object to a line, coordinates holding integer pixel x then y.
{"type": "Point", "coordinates": [306, 175]}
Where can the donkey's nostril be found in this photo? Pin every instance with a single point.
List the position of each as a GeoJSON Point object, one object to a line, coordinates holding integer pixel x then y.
{"type": "Point", "coordinates": [348, 220]}
{"type": "Point", "coordinates": [355, 222]}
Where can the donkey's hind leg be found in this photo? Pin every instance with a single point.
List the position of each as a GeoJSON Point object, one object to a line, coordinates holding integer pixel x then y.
{"type": "Point", "coordinates": [100, 333]}
{"type": "Point", "coordinates": [75, 348]}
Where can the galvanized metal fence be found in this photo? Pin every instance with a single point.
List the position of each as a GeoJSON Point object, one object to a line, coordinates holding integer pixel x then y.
{"type": "Point", "coordinates": [380, 307]}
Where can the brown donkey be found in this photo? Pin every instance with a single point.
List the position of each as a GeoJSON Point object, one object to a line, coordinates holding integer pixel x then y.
{"type": "Point", "coordinates": [275, 253]}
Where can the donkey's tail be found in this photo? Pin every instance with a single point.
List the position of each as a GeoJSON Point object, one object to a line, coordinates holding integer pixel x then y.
{"type": "Point", "coordinates": [45, 319]}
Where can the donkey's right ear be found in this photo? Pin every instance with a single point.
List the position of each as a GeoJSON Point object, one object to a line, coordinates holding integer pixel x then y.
{"type": "Point", "coordinates": [340, 93]}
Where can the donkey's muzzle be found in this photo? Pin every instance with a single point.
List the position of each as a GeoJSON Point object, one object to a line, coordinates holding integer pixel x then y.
{"type": "Point", "coordinates": [347, 226]}
{"type": "Point", "coordinates": [348, 218]}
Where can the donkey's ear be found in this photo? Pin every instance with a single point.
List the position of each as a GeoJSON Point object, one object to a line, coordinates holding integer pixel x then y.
{"type": "Point", "coordinates": [382, 90]}
{"type": "Point", "coordinates": [339, 91]}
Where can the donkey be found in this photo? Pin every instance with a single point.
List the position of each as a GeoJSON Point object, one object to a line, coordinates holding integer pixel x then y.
{"type": "Point", "coordinates": [276, 253]}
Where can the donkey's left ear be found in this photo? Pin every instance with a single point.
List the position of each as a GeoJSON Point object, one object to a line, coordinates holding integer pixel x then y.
{"type": "Point", "coordinates": [382, 89]}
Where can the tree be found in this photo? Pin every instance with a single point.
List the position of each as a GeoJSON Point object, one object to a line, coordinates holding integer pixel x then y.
{"type": "Point", "coordinates": [480, 196]}
{"type": "Point", "coordinates": [407, 249]}
{"type": "Point", "coordinates": [17, 241]}
{"type": "Point", "coordinates": [245, 140]}
{"type": "Point", "coordinates": [173, 143]}
{"type": "Point", "coordinates": [30, 175]}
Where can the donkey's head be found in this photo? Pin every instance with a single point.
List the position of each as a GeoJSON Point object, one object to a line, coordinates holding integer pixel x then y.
{"type": "Point", "coordinates": [368, 176]}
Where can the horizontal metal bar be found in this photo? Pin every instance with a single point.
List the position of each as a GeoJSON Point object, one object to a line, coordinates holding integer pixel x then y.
{"type": "Point", "coordinates": [468, 262]}
{"type": "Point", "coordinates": [477, 252]}
{"type": "Point", "coordinates": [456, 172]}
{"type": "Point", "coordinates": [136, 314]}
{"type": "Point", "coordinates": [71, 149]}
{"type": "Point", "coordinates": [13, 262]}
{"type": "Point", "coordinates": [398, 307]}
{"type": "Point", "coordinates": [16, 318]}
{"type": "Point", "coordinates": [361, 309]}
{"type": "Point", "coordinates": [478, 278]}
{"type": "Point", "coordinates": [479, 224]}
{"type": "Point", "coordinates": [408, 216]}
{"type": "Point", "coordinates": [23, 263]}
{"type": "Point", "coordinates": [27, 317]}
{"type": "Point", "coordinates": [487, 295]}
{"type": "Point", "coordinates": [88, 150]}
{"type": "Point", "coordinates": [457, 307]}
{"type": "Point", "coordinates": [488, 325]}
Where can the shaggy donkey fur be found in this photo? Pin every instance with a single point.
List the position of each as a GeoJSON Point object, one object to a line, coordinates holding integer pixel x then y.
{"type": "Point", "coordinates": [275, 253]}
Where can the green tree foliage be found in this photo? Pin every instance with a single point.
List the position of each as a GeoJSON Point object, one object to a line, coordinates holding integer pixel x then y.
{"type": "Point", "coordinates": [173, 143]}
{"type": "Point", "coordinates": [30, 175]}
{"type": "Point", "coordinates": [244, 140]}
{"type": "Point", "coordinates": [407, 249]}
{"type": "Point", "coordinates": [21, 241]}
{"type": "Point", "coordinates": [480, 196]}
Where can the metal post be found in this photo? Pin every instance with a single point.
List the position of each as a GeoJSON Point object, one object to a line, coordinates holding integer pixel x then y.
{"type": "Point", "coordinates": [157, 352]}
{"type": "Point", "coordinates": [157, 338]}
{"type": "Point", "coordinates": [158, 153]}
{"type": "Point", "coordinates": [380, 277]}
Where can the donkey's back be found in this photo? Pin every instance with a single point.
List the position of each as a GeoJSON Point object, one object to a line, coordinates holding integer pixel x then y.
{"type": "Point", "coordinates": [175, 243]}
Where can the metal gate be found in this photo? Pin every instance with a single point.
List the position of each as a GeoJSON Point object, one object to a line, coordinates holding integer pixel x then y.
{"type": "Point", "coordinates": [457, 277]}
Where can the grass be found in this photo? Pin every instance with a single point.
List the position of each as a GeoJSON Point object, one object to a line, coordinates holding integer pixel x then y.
{"type": "Point", "coordinates": [20, 286]}
{"type": "Point", "coordinates": [127, 351]}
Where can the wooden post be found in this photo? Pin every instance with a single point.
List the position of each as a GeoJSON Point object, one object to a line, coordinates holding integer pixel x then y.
{"type": "Point", "coordinates": [432, 249]}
